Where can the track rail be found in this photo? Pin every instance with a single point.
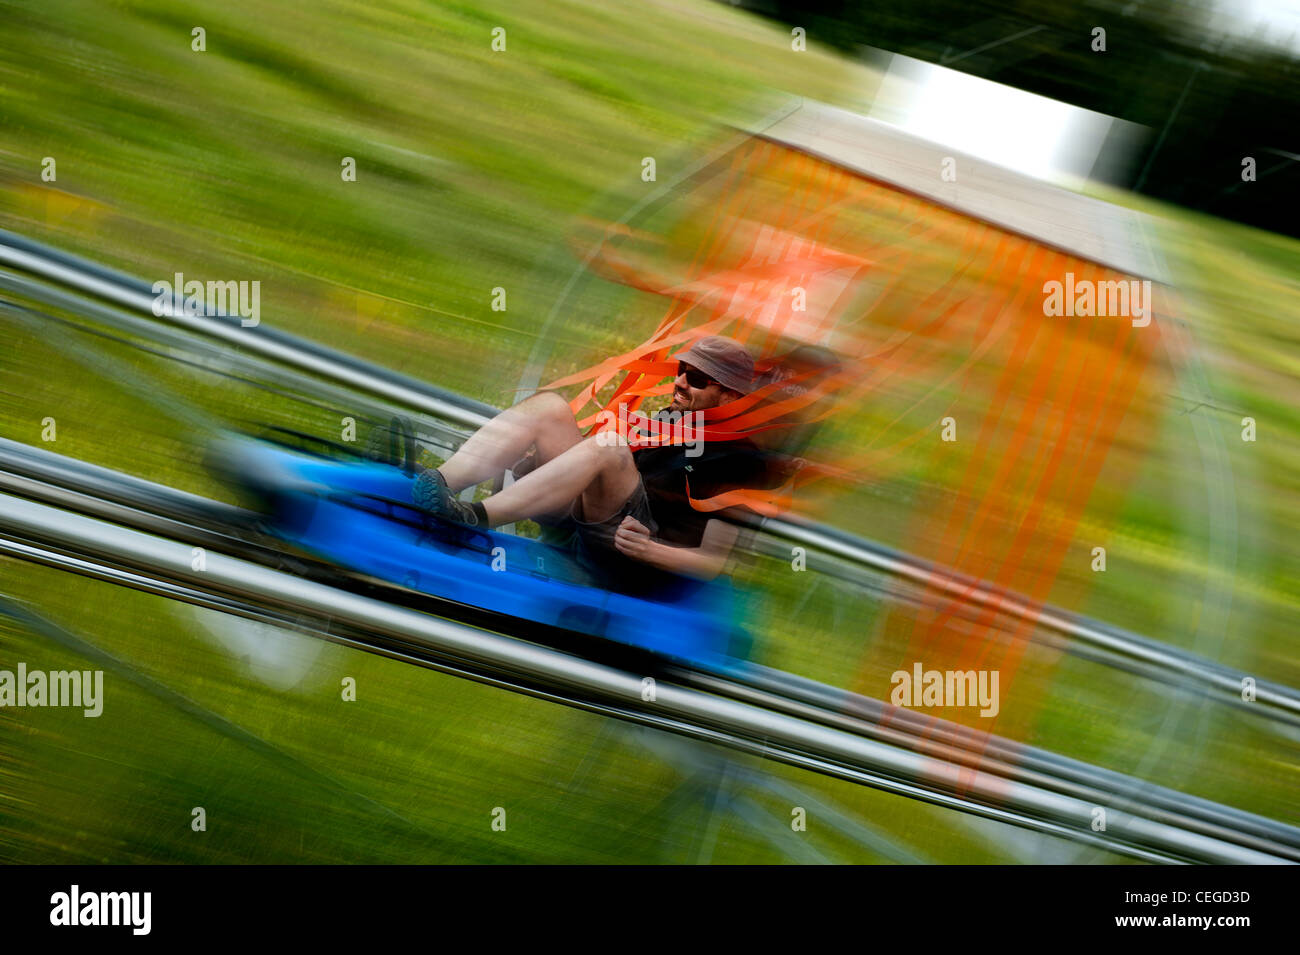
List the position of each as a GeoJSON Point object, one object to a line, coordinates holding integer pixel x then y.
{"type": "Point", "coordinates": [47, 537]}
{"type": "Point", "coordinates": [48, 478]}
{"type": "Point", "coordinates": [137, 297]}
{"type": "Point", "coordinates": [1076, 634]}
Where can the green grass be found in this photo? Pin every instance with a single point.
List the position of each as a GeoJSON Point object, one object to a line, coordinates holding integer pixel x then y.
{"type": "Point", "coordinates": [473, 167]}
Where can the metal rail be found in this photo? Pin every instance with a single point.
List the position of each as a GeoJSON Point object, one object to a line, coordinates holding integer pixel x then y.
{"type": "Point", "coordinates": [1081, 635]}
{"type": "Point", "coordinates": [137, 296]}
{"type": "Point", "coordinates": [90, 490]}
{"type": "Point", "coordinates": [85, 545]}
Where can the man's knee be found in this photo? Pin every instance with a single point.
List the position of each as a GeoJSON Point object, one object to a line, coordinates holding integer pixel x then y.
{"type": "Point", "coordinates": [610, 446]}
{"type": "Point", "coordinates": [550, 404]}
{"type": "Point", "coordinates": [551, 414]}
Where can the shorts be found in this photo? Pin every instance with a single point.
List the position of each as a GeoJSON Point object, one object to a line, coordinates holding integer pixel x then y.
{"type": "Point", "coordinates": [596, 549]}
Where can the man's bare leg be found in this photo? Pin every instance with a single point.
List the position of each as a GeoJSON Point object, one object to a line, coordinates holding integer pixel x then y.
{"type": "Point", "coordinates": [603, 475]}
{"type": "Point", "coordinates": [544, 419]}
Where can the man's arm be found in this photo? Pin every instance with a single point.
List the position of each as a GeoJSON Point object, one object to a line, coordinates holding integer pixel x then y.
{"type": "Point", "coordinates": [704, 562]}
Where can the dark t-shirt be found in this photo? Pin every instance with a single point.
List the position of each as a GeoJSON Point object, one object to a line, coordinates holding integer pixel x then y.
{"type": "Point", "coordinates": [720, 466]}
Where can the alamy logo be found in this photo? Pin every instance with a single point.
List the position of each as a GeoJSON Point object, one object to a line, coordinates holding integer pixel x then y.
{"type": "Point", "coordinates": [1128, 298]}
{"type": "Point", "coordinates": [194, 298]}
{"type": "Point", "coordinates": [77, 688]}
{"type": "Point", "coordinates": [103, 908]}
{"type": "Point", "coordinates": [946, 688]}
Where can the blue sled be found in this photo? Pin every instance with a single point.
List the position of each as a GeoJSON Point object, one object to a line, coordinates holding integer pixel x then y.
{"type": "Point", "coordinates": [359, 515]}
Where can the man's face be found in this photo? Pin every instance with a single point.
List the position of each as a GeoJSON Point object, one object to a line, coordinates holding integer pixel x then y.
{"type": "Point", "coordinates": [694, 391]}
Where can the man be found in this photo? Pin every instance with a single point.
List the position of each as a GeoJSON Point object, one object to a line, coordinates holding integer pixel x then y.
{"type": "Point", "coordinates": [630, 512]}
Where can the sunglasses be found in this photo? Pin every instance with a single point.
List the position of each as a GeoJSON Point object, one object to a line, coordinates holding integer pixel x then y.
{"type": "Point", "coordinates": [694, 377]}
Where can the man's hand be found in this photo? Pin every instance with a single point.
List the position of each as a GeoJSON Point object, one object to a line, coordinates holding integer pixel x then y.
{"type": "Point", "coordinates": [633, 539]}
{"type": "Point", "coordinates": [704, 562]}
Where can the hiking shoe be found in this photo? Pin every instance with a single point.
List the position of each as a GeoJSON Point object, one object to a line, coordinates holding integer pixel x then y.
{"type": "Point", "coordinates": [432, 496]}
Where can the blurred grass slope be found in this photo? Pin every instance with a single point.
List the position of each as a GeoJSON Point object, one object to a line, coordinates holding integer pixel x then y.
{"type": "Point", "coordinates": [471, 164]}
